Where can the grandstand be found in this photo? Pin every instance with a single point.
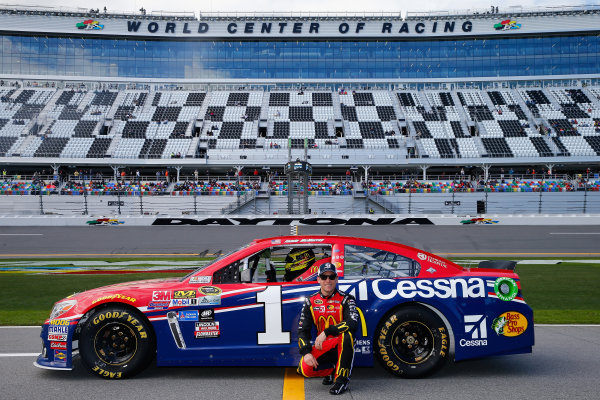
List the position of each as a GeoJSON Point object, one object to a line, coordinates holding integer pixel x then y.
{"type": "Point", "coordinates": [510, 88]}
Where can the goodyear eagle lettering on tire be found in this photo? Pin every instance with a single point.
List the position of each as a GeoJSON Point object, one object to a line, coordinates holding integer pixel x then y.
{"type": "Point", "coordinates": [116, 343]}
{"type": "Point", "coordinates": [412, 342]}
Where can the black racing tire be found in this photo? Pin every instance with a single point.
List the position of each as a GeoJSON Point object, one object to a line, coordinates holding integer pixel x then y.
{"type": "Point", "coordinates": [116, 342]}
{"type": "Point", "coordinates": [412, 342]}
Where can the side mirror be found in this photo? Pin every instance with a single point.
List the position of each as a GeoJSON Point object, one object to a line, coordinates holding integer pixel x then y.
{"type": "Point", "coordinates": [246, 276]}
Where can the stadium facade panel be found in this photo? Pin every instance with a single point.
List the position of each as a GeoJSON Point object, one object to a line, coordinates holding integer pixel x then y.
{"type": "Point", "coordinates": [307, 49]}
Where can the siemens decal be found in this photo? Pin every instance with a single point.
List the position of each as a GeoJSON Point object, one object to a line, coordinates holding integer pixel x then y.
{"type": "Point", "coordinates": [386, 289]}
{"type": "Point", "coordinates": [300, 28]}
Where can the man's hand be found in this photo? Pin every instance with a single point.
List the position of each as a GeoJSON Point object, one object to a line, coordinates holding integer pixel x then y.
{"type": "Point", "coordinates": [319, 340]}
{"type": "Point", "coordinates": [311, 361]}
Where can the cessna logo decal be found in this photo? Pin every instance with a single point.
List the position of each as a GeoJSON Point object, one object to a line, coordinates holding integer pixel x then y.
{"type": "Point", "coordinates": [386, 289]}
{"type": "Point", "coordinates": [475, 325]}
{"type": "Point", "coordinates": [292, 221]}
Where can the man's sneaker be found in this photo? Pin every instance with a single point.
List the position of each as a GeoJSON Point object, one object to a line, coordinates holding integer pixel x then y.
{"type": "Point", "coordinates": [339, 386]}
{"type": "Point", "coordinates": [328, 380]}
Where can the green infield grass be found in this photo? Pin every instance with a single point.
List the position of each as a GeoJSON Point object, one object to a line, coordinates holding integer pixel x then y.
{"type": "Point", "coordinates": [564, 293]}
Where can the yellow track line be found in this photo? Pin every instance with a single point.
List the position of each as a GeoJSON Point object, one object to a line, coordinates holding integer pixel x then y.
{"type": "Point", "coordinates": [293, 385]}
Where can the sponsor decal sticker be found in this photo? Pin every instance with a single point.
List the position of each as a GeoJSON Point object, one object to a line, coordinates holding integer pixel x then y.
{"type": "Point", "coordinates": [58, 329]}
{"type": "Point", "coordinates": [510, 324]}
{"type": "Point", "coordinates": [161, 295]}
{"type": "Point", "coordinates": [476, 326]}
{"type": "Point", "coordinates": [60, 322]}
{"type": "Point", "coordinates": [159, 305]}
{"type": "Point", "coordinates": [60, 357]}
{"type": "Point", "coordinates": [362, 346]}
{"type": "Point", "coordinates": [58, 338]}
{"type": "Point", "coordinates": [431, 270]}
{"type": "Point", "coordinates": [209, 291]}
{"type": "Point", "coordinates": [318, 301]}
{"type": "Point", "coordinates": [433, 260]}
{"type": "Point", "coordinates": [184, 302]}
{"type": "Point", "coordinates": [209, 300]}
{"type": "Point", "coordinates": [506, 289]}
{"type": "Point", "coordinates": [386, 289]}
{"type": "Point", "coordinates": [207, 315]}
{"type": "Point", "coordinates": [200, 279]}
{"type": "Point", "coordinates": [207, 330]}
{"type": "Point", "coordinates": [189, 315]}
{"type": "Point", "coordinates": [330, 307]}
{"type": "Point", "coordinates": [184, 294]}
{"type": "Point", "coordinates": [115, 296]}
{"type": "Point", "coordinates": [58, 345]}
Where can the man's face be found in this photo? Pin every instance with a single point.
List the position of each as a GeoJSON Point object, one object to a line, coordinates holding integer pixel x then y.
{"type": "Point", "coordinates": [327, 284]}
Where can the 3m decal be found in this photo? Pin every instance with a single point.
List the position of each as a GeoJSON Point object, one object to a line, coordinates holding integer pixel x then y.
{"type": "Point", "coordinates": [510, 324]}
{"type": "Point", "coordinates": [209, 290]}
{"type": "Point", "coordinates": [506, 289]}
{"type": "Point", "coordinates": [476, 326]}
{"type": "Point", "coordinates": [161, 295]}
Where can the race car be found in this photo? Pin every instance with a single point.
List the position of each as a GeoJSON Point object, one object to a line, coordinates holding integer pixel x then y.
{"type": "Point", "coordinates": [416, 311]}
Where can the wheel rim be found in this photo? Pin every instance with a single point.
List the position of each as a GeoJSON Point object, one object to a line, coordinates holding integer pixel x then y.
{"type": "Point", "coordinates": [115, 343]}
{"type": "Point", "coordinates": [412, 342]}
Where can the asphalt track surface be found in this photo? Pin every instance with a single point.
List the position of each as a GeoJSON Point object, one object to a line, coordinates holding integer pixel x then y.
{"type": "Point", "coordinates": [474, 240]}
{"type": "Point", "coordinates": [563, 365]}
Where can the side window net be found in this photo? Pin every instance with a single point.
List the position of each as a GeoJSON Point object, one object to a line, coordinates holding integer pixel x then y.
{"type": "Point", "coordinates": [366, 262]}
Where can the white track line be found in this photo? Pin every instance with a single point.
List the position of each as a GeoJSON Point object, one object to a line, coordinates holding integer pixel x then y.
{"type": "Point", "coordinates": [19, 354]}
{"type": "Point", "coordinates": [21, 234]}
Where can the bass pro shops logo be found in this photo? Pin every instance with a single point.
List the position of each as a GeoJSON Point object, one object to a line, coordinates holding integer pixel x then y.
{"type": "Point", "coordinates": [476, 325]}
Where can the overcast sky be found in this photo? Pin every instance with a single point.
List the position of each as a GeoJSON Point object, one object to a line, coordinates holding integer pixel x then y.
{"type": "Point", "coordinates": [340, 6]}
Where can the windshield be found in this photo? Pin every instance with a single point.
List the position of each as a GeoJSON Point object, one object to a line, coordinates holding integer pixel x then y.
{"type": "Point", "coordinates": [209, 263]}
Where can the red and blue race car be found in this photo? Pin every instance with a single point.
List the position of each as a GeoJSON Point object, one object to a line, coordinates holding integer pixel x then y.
{"type": "Point", "coordinates": [416, 310]}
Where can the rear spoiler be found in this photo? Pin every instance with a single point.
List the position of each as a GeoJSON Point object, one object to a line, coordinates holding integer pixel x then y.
{"type": "Point", "coordinates": [498, 264]}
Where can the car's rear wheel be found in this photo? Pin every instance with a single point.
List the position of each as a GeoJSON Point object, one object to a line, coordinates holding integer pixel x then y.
{"type": "Point", "coordinates": [116, 342]}
{"type": "Point", "coordinates": [412, 342]}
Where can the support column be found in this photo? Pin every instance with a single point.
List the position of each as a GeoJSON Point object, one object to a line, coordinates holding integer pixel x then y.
{"type": "Point", "coordinates": [178, 169]}
{"type": "Point", "coordinates": [366, 168]}
{"type": "Point", "coordinates": [550, 167]}
{"type": "Point", "coordinates": [115, 169]}
{"type": "Point", "coordinates": [424, 168]}
{"type": "Point", "coordinates": [486, 172]}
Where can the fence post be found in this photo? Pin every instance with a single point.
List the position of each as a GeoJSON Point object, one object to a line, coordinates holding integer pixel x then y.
{"type": "Point", "coordinates": [540, 204]}
{"type": "Point", "coordinates": [119, 201]}
{"type": "Point", "coordinates": [585, 197]}
{"type": "Point", "coordinates": [452, 201]}
{"type": "Point", "coordinates": [409, 201]}
{"type": "Point", "coordinates": [195, 202]}
{"type": "Point", "coordinates": [141, 204]}
{"type": "Point", "coordinates": [41, 200]}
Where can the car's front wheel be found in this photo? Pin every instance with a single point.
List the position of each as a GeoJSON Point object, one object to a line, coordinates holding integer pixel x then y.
{"type": "Point", "coordinates": [116, 342]}
{"type": "Point", "coordinates": [412, 342]}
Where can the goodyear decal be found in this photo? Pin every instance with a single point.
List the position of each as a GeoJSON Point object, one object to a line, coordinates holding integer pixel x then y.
{"type": "Point", "coordinates": [115, 296]}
